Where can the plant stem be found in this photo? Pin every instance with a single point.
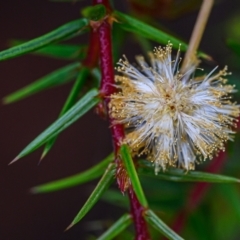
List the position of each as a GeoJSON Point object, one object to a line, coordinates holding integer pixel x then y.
{"type": "Point", "coordinates": [106, 89]}
{"type": "Point", "coordinates": [137, 213]}
{"type": "Point", "coordinates": [197, 34]}
{"type": "Point", "coordinates": [107, 82]}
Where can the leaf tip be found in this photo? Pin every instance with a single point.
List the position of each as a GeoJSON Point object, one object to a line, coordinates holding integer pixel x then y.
{"type": "Point", "coordinates": [4, 101]}
{"type": "Point", "coordinates": [44, 153]}
{"type": "Point", "coordinates": [34, 190]}
{"type": "Point", "coordinates": [14, 160]}
{"type": "Point", "coordinates": [40, 160]}
{"type": "Point", "coordinates": [70, 226]}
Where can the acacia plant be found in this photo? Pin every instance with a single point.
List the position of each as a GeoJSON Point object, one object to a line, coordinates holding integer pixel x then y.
{"type": "Point", "coordinates": [165, 115]}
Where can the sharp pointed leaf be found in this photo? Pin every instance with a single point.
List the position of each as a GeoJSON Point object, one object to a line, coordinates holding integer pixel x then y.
{"type": "Point", "coordinates": [180, 175]}
{"type": "Point", "coordinates": [56, 35]}
{"type": "Point", "coordinates": [136, 26]}
{"type": "Point", "coordinates": [72, 98]}
{"type": "Point", "coordinates": [120, 225]}
{"type": "Point", "coordinates": [72, 115]}
{"type": "Point", "coordinates": [102, 185]}
{"type": "Point", "coordinates": [77, 179]}
{"type": "Point", "coordinates": [59, 51]}
{"type": "Point", "coordinates": [129, 165]}
{"type": "Point", "coordinates": [58, 77]}
{"type": "Point", "coordinates": [158, 224]}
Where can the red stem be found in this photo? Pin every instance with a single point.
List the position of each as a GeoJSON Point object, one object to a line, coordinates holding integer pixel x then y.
{"type": "Point", "coordinates": [137, 212]}
{"type": "Point", "coordinates": [106, 89]}
{"type": "Point", "coordinates": [107, 82]}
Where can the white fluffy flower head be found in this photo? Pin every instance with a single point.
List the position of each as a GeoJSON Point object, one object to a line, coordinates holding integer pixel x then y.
{"type": "Point", "coordinates": [175, 120]}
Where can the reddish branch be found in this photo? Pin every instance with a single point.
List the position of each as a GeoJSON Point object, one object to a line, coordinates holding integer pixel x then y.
{"type": "Point", "coordinates": [107, 82]}
{"type": "Point", "coordinates": [137, 213]}
{"type": "Point", "coordinates": [106, 89]}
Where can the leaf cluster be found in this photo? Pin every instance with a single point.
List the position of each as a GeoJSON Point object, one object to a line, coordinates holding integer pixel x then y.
{"type": "Point", "coordinates": [82, 99]}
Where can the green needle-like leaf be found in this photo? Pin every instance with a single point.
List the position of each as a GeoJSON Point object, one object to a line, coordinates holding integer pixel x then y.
{"type": "Point", "coordinates": [136, 26]}
{"type": "Point", "coordinates": [72, 98]}
{"type": "Point", "coordinates": [58, 77]}
{"type": "Point", "coordinates": [102, 185]}
{"type": "Point", "coordinates": [121, 224]}
{"type": "Point", "coordinates": [94, 13]}
{"type": "Point", "coordinates": [157, 223]}
{"type": "Point", "coordinates": [76, 179]}
{"type": "Point", "coordinates": [58, 51]}
{"type": "Point", "coordinates": [72, 115]}
{"type": "Point", "coordinates": [179, 175]}
{"type": "Point", "coordinates": [129, 165]}
{"type": "Point", "coordinates": [52, 37]}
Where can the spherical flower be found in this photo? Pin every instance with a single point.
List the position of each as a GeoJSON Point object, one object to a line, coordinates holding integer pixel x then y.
{"type": "Point", "coordinates": [174, 119]}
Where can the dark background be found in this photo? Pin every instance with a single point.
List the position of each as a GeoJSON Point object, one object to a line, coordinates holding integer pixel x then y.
{"type": "Point", "coordinates": [24, 216]}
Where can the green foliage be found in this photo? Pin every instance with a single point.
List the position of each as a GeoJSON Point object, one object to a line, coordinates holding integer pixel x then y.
{"type": "Point", "coordinates": [117, 227]}
{"type": "Point", "coordinates": [136, 26]}
{"type": "Point", "coordinates": [67, 119]}
{"type": "Point", "coordinates": [77, 179]}
{"type": "Point", "coordinates": [94, 13]}
{"type": "Point", "coordinates": [129, 165]}
{"type": "Point", "coordinates": [102, 185]}
{"type": "Point", "coordinates": [156, 222]}
{"type": "Point", "coordinates": [180, 175]}
{"type": "Point", "coordinates": [167, 191]}
{"type": "Point", "coordinates": [61, 33]}
{"type": "Point", "coordinates": [56, 78]}
{"type": "Point", "coordinates": [133, 25]}
{"type": "Point", "coordinates": [58, 51]}
{"type": "Point", "coordinates": [72, 98]}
